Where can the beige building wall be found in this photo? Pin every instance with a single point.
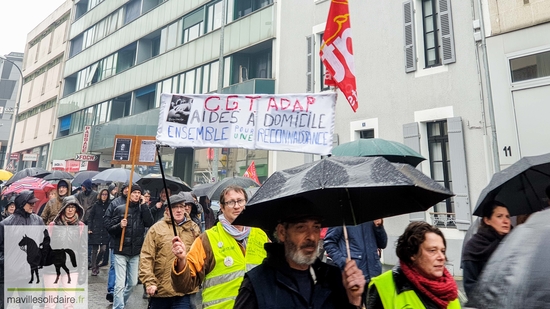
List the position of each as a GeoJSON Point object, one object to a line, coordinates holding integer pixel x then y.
{"type": "Point", "coordinates": [510, 15]}
{"type": "Point", "coordinates": [42, 67]}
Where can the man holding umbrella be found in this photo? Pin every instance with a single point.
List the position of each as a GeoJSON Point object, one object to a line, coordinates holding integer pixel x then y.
{"type": "Point", "coordinates": [220, 256]}
{"type": "Point", "coordinates": [292, 276]}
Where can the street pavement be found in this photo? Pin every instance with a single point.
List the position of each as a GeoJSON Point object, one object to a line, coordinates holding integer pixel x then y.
{"type": "Point", "coordinates": [97, 289]}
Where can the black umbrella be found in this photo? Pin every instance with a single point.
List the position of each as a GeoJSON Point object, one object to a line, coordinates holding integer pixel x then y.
{"type": "Point", "coordinates": [115, 175]}
{"type": "Point", "coordinates": [80, 177]}
{"type": "Point", "coordinates": [58, 175]}
{"type": "Point", "coordinates": [521, 186]}
{"type": "Point", "coordinates": [202, 189]}
{"type": "Point", "coordinates": [516, 275]}
{"type": "Point", "coordinates": [31, 171]}
{"type": "Point", "coordinates": [348, 190]}
{"type": "Point", "coordinates": [153, 182]}
{"type": "Point", "coordinates": [217, 188]}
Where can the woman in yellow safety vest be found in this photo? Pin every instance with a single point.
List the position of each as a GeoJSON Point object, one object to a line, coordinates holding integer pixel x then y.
{"type": "Point", "coordinates": [420, 280]}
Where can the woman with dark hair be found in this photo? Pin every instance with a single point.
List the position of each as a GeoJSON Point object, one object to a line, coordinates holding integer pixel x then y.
{"type": "Point", "coordinates": [495, 225]}
{"type": "Point", "coordinates": [98, 237]}
{"type": "Point", "coordinates": [420, 280]}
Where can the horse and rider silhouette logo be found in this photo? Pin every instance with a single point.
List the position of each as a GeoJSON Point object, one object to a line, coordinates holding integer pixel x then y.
{"type": "Point", "coordinates": [44, 255]}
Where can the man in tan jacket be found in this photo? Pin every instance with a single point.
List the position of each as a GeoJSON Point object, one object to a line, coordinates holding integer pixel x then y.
{"type": "Point", "coordinates": [156, 258]}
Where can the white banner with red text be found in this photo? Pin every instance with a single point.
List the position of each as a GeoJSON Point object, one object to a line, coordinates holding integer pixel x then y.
{"type": "Point", "coordinates": [285, 122]}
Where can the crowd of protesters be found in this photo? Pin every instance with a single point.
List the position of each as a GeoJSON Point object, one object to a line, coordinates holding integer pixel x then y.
{"type": "Point", "coordinates": [212, 263]}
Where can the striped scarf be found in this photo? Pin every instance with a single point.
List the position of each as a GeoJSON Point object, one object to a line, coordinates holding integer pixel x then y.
{"type": "Point", "coordinates": [240, 236]}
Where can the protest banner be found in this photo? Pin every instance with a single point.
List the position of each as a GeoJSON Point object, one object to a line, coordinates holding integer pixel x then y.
{"type": "Point", "coordinates": [286, 122]}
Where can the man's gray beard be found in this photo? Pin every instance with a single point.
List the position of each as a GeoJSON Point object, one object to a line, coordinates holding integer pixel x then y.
{"type": "Point", "coordinates": [292, 253]}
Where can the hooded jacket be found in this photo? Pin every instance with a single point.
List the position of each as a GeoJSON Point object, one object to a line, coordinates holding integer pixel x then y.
{"type": "Point", "coordinates": [86, 198]}
{"type": "Point", "coordinates": [19, 217]}
{"type": "Point", "coordinates": [68, 236]}
{"type": "Point", "coordinates": [139, 217]}
{"type": "Point", "coordinates": [54, 205]}
{"type": "Point", "coordinates": [155, 261]}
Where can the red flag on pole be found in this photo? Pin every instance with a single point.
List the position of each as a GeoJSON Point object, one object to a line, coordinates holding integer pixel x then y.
{"type": "Point", "coordinates": [251, 173]}
{"type": "Point", "coordinates": [337, 52]}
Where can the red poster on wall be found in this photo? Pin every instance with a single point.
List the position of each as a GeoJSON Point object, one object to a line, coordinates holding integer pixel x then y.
{"type": "Point", "coordinates": [72, 166]}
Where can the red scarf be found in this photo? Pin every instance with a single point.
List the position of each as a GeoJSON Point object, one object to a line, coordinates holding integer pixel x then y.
{"type": "Point", "coordinates": [441, 290]}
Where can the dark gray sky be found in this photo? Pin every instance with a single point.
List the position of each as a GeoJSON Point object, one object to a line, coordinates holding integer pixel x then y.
{"type": "Point", "coordinates": [18, 18]}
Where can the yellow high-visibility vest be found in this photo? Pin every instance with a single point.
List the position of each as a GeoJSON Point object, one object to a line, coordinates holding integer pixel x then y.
{"type": "Point", "coordinates": [405, 300]}
{"type": "Point", "coordinates": [221, 285]}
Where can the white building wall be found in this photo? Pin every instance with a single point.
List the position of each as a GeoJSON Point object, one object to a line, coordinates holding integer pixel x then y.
{"type": "Point", "coordinates": [500, 49]}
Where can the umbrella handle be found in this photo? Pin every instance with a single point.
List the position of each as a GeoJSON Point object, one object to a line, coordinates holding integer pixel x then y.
{"type": "Point", "coordinates": [348, 257]}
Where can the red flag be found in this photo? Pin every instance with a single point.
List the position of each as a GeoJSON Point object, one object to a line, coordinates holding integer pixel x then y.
{"type": "Point", "coordinates": [251, 173]}
{"type": "Point", "coordinates": [337, 52]}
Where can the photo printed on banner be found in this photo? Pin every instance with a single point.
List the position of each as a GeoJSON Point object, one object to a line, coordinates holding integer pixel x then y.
{"type": "Point", "coordinates": [180, 109]}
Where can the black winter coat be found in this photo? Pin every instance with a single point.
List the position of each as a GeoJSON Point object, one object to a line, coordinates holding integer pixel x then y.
{"type": "Point", "coordinates": [99, 234]}
{"type": "Point", "coordinates": [139, 217]}
{"type": "Point", "coordinates": [120, 200]}
{"type": "Point", "coordinates": [271, 285]}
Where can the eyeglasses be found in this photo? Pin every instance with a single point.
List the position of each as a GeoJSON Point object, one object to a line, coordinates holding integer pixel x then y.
{"type": "Point", "coordinates": [104, 193]}
{"type": "Point", "coordinates": [241, 202]}
{"type": "Point", "coordinates": [146, 196]}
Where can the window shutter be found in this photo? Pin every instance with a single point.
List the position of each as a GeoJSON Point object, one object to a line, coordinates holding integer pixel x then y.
{"type": "Point", "coordinates": [410, 48]}
{"type": "Point", "coordinates": [458, 171]}
{"type": "Point", "coordinates": [310, 63]}
{"type": "Point", "coordinates": [446, 28]}
{"type": "Point", "coordinates": [411, 138]}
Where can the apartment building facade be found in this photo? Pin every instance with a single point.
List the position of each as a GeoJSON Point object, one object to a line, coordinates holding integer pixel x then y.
{"type": "Point", "coordinates": [42, 67]}
{"type": "Point", "coordinates": [124, 54]}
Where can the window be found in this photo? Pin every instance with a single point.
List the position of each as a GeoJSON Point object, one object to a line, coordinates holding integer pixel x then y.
{"type": "Point", "coordinates": [84, 6]}
{"type": "Point", "coordinates": [148, 46]}
{"type": "Point", "coordinates": [323, 69]}
{"type": "Point", "coordinates": [366, 133]}
{"type": "Point", "coordinates": [132, 11]}
{"type": "Point", "coordinates": [435, 22]}
{"type": "Point", "coordinates": [214, 20]}
{"type": "Point", "coordinates": [245, 7]}
{"type": "Point", "coordinates": [530, 67]}
{"type": "Point", "coordinates": [126, 58]}
{"type": "Point", "coordinates": [76, 45]}
{"type": "Point", "coordinates": [440, 162]}
{"type": "Point", "coordinates": [120, 106]}
{"type": "Point", "coordinates": [64, 125]}
{"type": "Point", "coordinates": [145, 99]}
{"type": "Point", "coordinates": [429, 19]}
{"type": "Point", "coordinates": [193, 25]}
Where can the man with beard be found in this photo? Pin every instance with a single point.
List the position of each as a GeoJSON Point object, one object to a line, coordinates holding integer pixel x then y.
{"type": "Point", "coordinates": [292, 276]}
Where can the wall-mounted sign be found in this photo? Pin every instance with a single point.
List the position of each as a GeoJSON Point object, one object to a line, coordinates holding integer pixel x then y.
{"type": "Point", "coordinates": [14, 156]}
{"type": "Point", "coordinates": [86, 140]}
{"type": "Point", "coordinates": [30, 157]}
{"type": "Point", "coordinates": [58, 165]}
{"type": "Point", "coordinates": [85, 157]}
